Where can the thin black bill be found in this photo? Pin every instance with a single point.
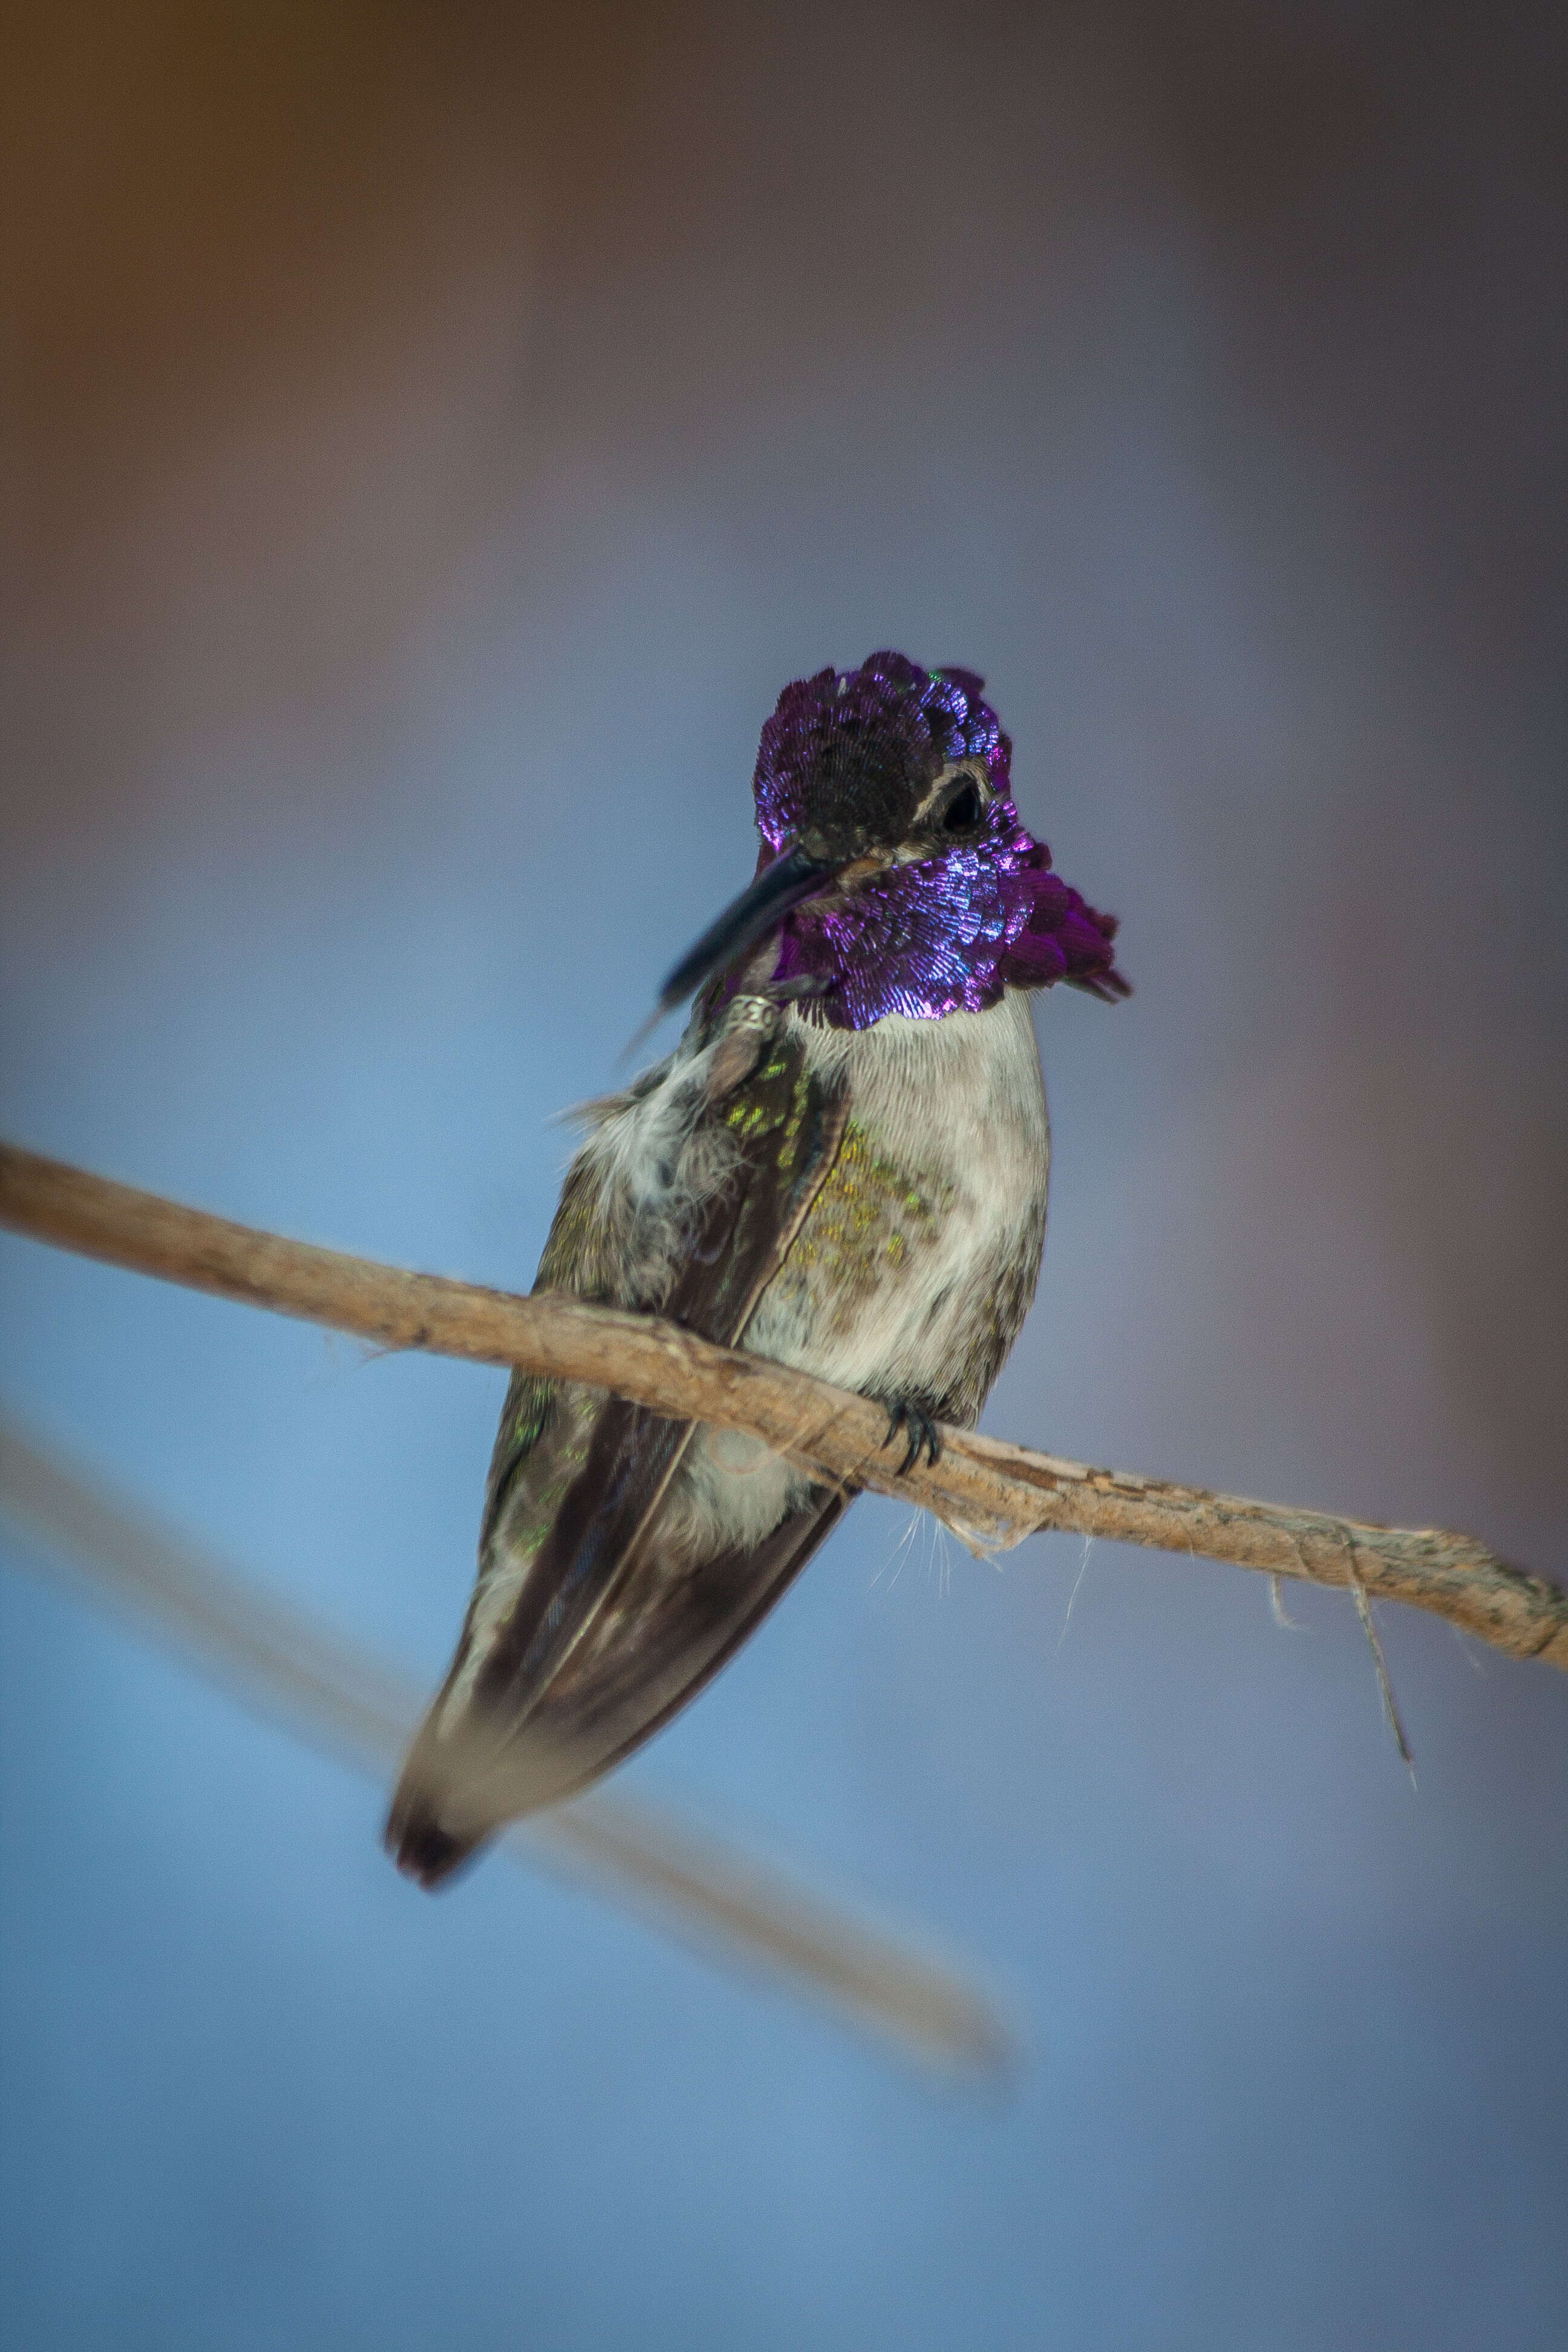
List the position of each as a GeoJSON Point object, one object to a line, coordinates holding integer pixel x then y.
{"type": "Point", "coordinates": [758, 910]}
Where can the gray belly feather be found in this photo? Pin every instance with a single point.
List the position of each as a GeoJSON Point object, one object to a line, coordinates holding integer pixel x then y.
{"type": "Point", "coordinates": [917, 1265]}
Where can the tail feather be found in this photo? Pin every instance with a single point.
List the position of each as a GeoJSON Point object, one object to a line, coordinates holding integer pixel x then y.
{"type": "Point", "coordinates": [495, 1757]}
{"type": "Point", "coordinates": [420, 1842]}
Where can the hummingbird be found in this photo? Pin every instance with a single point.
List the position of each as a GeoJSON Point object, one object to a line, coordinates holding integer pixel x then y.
{"type": "Point", "coordinates": [842, 1166]}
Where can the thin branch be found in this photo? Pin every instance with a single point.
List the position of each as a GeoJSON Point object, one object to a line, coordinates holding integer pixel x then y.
{"type": "Point", "coordinates": [283, 1664]}
{"type": "Point", "coordinates": [990, 1492]}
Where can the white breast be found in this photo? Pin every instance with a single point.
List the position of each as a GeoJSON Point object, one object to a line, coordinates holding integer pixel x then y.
{"type": "Point", "coordinates": [957, 1109]}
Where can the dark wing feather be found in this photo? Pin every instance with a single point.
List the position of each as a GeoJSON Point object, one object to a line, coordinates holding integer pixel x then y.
{"type": "Point", "coordinates": [604, 1638]}
{"type": "Point", "coordinates": [590, 1719]}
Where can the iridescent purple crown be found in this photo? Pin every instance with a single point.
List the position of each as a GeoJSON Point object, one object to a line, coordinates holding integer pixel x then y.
{"type": "Point", "coordinates": [951, 932]}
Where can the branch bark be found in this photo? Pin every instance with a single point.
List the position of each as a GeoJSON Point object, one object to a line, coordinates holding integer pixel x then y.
{"type": "Point", "coordinates": [991, 1493]}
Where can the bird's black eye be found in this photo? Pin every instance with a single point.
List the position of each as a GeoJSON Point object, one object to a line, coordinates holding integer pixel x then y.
{"type": "Point", "coordinates": [963, 812]}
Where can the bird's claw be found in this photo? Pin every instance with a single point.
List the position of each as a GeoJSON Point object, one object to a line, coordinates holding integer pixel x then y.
{"type": "Point", "coordinates": [903, 1413]}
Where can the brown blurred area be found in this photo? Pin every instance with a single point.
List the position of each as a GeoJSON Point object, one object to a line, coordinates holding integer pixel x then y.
{"type": "Point", "coordinates": [289, 277]}
{"type": "Point", "coordinates": [265, 277]}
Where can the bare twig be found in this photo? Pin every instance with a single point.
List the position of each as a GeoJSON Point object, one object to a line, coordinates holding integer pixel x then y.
{"type": "Point", "coordinates": [989, 1492]}
{"type": "Point", "coordinates": [283, 1664]}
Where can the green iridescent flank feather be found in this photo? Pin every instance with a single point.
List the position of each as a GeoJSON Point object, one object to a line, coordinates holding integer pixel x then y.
{"type": "Point", "coordinates": [578, 1256]}
{"type": "Point", "coordinates": [869, 1215]}
{"type": "Point", "coordinates": [528, 1409]}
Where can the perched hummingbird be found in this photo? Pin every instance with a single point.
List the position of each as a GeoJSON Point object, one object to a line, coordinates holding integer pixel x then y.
{"type": "Point", "coordinates": [842, 1166]}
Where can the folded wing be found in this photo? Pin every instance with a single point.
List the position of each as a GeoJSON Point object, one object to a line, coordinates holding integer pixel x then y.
{"type": "Point", "coordinates": [605, 1598]}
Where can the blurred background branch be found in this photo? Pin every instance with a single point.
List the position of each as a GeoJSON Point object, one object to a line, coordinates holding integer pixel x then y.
{"type": "Point", "coordinates": [278, 1660]}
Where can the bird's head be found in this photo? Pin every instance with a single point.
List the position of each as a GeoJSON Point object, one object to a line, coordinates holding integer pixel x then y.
{"type": "Point", "coordinates": [894, 873]}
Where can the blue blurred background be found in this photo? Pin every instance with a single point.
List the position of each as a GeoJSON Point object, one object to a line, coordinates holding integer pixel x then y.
{"type": "Point", "coordinates": [440, 432]}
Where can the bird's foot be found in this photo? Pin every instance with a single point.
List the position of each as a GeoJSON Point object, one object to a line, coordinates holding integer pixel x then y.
{"type": "Point", "coordinates": [904, 1413]}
